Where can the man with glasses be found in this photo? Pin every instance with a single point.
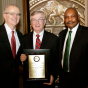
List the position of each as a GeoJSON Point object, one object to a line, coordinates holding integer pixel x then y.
{"type": "Point", "coordinates": [46, 40]}
{"type": "Point", "coordinates": [10, 48]}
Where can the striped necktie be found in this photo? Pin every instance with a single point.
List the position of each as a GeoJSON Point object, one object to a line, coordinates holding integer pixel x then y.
{"type": "Point", "coordinates": [38, 42]}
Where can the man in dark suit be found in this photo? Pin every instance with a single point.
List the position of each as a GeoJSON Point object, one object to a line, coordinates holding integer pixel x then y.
{"type": "Point", "coordinates": [9, 57]}
{"type": "Point", "coordinates": [48, 41]}
{"type": "Point", "coordinates": [76, 73]}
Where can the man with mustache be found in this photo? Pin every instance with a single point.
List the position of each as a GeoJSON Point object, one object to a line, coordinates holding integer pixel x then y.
{"type": "Point", "coordinates": [10, 48]}
{"type": "Point", "coordinates": [73, 58]}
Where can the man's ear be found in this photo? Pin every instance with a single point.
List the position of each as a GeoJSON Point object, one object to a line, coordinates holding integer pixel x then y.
{"type": "Point", "coordinates": [45, 22]}
{"type": "Point", "coordinates": [4, 15]}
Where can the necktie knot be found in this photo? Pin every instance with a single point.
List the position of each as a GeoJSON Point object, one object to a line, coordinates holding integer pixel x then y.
{"type": "Point", "coordinates": [70, 32]}
{"type": "Point", "coordinates": [38, 42]}
{"type": "Point", "coordinates": [38, 35]}
{"type": "Point", "coordinates": [12, 32]}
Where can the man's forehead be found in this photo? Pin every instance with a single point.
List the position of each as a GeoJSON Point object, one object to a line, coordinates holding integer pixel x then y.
{"type": "Point", "coordinates": [12, 7]}
{"type": "Point", "coordinates": [38, 15]}
{"type": "Point", "coordinates": [70, 13]}
{"type": "Point", "coordinates": [71, 10]}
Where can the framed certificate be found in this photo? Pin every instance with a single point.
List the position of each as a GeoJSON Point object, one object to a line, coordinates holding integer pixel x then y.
{"type": "Point", "coordinates": [37, 64]}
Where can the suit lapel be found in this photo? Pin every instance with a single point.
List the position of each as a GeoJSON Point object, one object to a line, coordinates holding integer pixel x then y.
{"type": "Point", "coordinates": [20, 40]}
{"type": "Point", "coordinates": [19, 37]}
{"type": "Point", "coordinates": [44, 40]}
{"type": "Point", "coordinates": [5, 39]}
{"type": "Point", "coordinates": [63, 39]}
{"type": "Point", "coordinates": [30, 41]}
{"type": "Point", "coordinates": [77, 38]}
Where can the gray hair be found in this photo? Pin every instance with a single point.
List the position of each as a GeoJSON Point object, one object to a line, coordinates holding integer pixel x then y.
{"type": "Point", "coordinates": [37, 12]}
{"type": "Point", "coordinates": [5, 9]}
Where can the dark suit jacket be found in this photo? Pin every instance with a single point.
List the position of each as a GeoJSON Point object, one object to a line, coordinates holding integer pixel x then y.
{"type": "Point", "coordinates": [8, 66]}
{"type": "Point", "coordinates": [78, 75]}
{"type": "Point", "coordinates": [49, 41]}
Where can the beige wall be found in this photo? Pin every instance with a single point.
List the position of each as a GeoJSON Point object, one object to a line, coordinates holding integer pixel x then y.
{"type": "Point", "coordinates": [19, 3]}
{"type": "Point", "coordinates": [1, 13]}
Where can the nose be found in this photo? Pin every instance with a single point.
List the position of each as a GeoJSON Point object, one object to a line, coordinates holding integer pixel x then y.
{"type": "Point", "coordinates": [70, 18]}
{"type": "Point", "coordinates": [37, 21]}
{"type": "Point", "coordinates": [15, 15]}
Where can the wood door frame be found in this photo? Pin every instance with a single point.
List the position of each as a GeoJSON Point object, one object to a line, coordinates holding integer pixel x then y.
{"type": "Point", "coordinates": [26, 19]}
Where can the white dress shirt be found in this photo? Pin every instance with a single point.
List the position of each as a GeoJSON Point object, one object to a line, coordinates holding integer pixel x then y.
{"type": "Point", "coordinates": [72, 39]}
{"type": "Point", "coordinates": [34, 37]}
{"type": "Point", "coordinates": [9, 34]}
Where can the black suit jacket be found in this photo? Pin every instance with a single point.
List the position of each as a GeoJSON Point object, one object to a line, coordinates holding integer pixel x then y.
{"type": "Point", "coordinates": [8, 66]}
{"type": "Point", "coordinates": [78, 59]}
{"type": "Point", "coordinates": [49, 41]}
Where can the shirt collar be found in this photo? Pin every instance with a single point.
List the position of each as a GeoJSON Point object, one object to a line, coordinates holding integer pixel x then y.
{"type": "Point", "coordinates": [39, 33]}
{"type": "Point", "coordinates": [74, 29]}
{"type": "Point", "coordinates": [8, 29]}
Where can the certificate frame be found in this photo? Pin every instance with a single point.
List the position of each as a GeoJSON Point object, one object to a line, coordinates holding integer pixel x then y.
{"type": "Point", "coordinates": [45, 53]}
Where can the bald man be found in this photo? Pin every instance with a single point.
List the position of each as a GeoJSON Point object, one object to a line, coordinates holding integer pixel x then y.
{"type": "Point", "coordinates": [10, 48]}
{"type": "Point", "coordinates": [76, 73]}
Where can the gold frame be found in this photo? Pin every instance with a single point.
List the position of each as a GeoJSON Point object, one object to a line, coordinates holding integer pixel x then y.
{"type": "Point", "coordinates": [37, 52]}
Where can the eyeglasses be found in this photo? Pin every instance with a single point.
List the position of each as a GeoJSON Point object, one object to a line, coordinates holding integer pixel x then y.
{"type": "Point", "coordinates": [12, 14]}
{"type": "Point", "coordinates": [39, 20]}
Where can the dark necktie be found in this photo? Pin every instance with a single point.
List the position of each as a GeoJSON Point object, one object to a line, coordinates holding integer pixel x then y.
{"type": "Point", "coordinates": [38, 42]}
{"type": "Point", "coordinates": [13, 45]}
{"type": "Point", "coordinates": [66, 55]}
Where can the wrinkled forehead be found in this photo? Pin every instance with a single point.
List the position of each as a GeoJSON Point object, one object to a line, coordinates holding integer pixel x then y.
{"type": "Point", "coordinates": [37, 15]}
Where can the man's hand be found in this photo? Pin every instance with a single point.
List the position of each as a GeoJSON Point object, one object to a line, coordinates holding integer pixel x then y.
{"type": "Point", "coordinates": [23, 57]}
{"type": "Point", "coordinates": [51, 80]}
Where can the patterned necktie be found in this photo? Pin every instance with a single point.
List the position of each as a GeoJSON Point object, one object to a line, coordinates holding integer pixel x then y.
{"type": "Point", "coordinates": [38, 42]}
{"type": "Point", "coordinates": [13, 45]}
{"type": "Point", "coordinates": [66, 55]}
